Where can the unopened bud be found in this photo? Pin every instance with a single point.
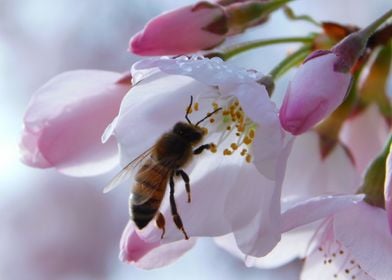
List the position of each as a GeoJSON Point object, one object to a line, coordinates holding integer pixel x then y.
{"type": "Point", "coordinates": [185, 30]}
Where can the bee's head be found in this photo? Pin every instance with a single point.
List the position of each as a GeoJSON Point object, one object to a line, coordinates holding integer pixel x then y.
{"type": "Point", "coordinates": [189, 132]}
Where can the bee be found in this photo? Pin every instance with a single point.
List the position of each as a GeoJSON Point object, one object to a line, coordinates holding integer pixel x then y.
{"type": "Point", "coordinates": [157, 168]}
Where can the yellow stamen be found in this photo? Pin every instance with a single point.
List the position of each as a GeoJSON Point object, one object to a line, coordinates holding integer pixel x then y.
{"type": "Point", "coordinates": [243, 152]}
{"type": "Point", "coordinates": [248, 158]}
{"type": "Point", "coordinates": [247, 140]}
{"type": "Point", "coordinates": [234, 146]}
{"type": "Point", "coordinates": [251, 133]}
{"type": "Point", "coordinates": [213, 148]}
{"type": "Point", "coordinates": [227, 152]}
{"type": "Point", "coordinates": [196, 106]}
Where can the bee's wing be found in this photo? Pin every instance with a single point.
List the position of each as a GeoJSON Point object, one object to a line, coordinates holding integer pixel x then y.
{"type": "Point", "coordinates": [127, 172]}
{"type": "Point", "coordinates": [156, 177]}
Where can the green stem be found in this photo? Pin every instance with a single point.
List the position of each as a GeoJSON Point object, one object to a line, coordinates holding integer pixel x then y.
{"type": "Point", "coordinates": [290, 61]}
{"type": "Point", "coordinates": [240, 48]}
{"type": "Point", "coordinates": [371, 28]}
{"type": "Point", "coordinates": [291, 15]}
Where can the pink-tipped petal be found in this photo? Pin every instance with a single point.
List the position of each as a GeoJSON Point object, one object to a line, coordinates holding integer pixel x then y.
{"type": "Point", "coordinates": [65, 119]}
{"type": "Point", "coordinates": [133, 249]}
{"type": "Point", "coordinates": [184, 30]}
{"type": "Point", "coordinates": [388, 188]}
{"type": "Point", "coordinates": [315, 91]}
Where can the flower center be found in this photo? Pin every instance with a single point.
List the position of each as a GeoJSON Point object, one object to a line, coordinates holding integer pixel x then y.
{"type": "Point", "coordinates": [337, 258]}
{"type": "Point", "coordinates": [236, 130]}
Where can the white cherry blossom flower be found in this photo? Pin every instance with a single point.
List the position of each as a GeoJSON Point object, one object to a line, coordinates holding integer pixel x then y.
{"type": "Point", "coordinates": [235, 187]}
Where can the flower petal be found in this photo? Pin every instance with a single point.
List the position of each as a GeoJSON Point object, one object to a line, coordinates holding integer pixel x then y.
{"type": "Point", "coordinates": [334, 174]}
{"type": "Point", "coordinates": [303, 211]}
{"type": "Point", "coordinates": [269, 139]}
{"type": "Point", "coordinates": [364, 231]}
{"type": "Point", "coordinates": [216, 211]}
{"type": "Point", "coordinates": [133, 249]}
{"type": "Point", "coordinates": [365, 136]}
{"type": "Point", "coordinates": [62, 127]}
{"type": "Point", "coordinates": [292, 245]}
{"type": "Point", "coordinates": [140, 107]}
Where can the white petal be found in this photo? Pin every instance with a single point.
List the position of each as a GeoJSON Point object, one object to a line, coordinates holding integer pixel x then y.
{"type": "Point", "coordinates": [152, 108]}
{"type": "Point", "coordinates": [365, 136]}
{"type": "Point", "coordinates": [213, 72]}
{"type": "Point", "coordinates": [308, 174]}
{"type": "Point", "coordinates": [303, 211]}
{"type": "Point", "coordinates": [292, 245]}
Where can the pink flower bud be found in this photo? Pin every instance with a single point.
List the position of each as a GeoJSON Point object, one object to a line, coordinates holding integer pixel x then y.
{"type": "Point", "coordinates": [184, 30]}
{"type": "Point", "coordinates": [317, 89]}
{"type": "Point", "coordinates": [388, 188]}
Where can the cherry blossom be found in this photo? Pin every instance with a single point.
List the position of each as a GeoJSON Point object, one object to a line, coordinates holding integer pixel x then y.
{"type": "Point", "coordinates": [235, 188]}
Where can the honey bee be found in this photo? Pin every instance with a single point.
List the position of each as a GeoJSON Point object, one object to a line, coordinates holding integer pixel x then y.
{"type": "Point", "coordinates": [157, 167]}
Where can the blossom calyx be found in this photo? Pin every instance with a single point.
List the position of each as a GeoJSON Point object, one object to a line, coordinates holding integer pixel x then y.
{"type": "Point", "coordinates": [242, 15]}
{"type": "Point", "coordinates": [185, 30]}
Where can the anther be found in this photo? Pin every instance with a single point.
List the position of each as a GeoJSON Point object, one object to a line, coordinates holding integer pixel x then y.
{"type": "Point", "coordinates": [234, 146]}
{"type": "Point", "coordinates": [212, 120]}
{"type": "Point", "coordinates": [251, 133]}
{"type": "Point", "coordinates": [227, 152]}
{"type": "Point", "coordinates": [196, 106]}
{"type": "Point", "coordinates": [243, 152]}
{"type": "Point", "coordinates": [247, 140]}
{"type": "Point", "coordinates": [248, 158]}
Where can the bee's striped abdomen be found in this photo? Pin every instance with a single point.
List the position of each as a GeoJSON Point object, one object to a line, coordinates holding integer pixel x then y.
{"type": "Point", "coordinates": [148, 192]}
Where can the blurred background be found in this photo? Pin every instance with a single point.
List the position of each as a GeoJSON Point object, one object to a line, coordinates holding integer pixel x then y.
{"type": "Point", "coordinates": [57, 227]}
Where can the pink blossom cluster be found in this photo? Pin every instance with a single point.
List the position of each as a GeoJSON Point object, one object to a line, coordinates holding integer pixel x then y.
{"type": "Point", "coordinates": [295, 181]}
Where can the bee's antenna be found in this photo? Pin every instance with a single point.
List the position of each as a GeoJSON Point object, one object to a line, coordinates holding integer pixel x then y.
{"type": "Point", "coordinates": [188, 110]}
{"type": "Point", "coordinates": [208, 115]}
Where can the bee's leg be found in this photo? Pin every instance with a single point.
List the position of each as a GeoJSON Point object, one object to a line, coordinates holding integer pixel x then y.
{"type": "Point", "coordinates": [185, 177]}
{"type": "Point", "coordinates": [176, 218]}
{"type": "Point", "coordinates": [201, 148]}
{"type": "Point", "coordinates": [160, 220]}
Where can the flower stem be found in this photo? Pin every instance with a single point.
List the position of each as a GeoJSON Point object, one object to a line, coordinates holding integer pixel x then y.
{"type": "Point", "coordinates": [292, 16]}
{"type": "Point", "coordinates": [371, 28]}
{"type": "Point", "coordinates": [290, 61]}
{"type": "Point", "coordinates": [240, 48]}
